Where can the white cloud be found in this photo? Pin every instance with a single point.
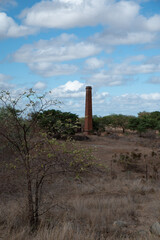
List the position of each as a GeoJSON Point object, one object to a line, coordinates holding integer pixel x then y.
{"type": "Point", "coordinates": [6, 3]}
{"type": "Point", "coordinates": [4, 77]}
{"type": "Point", "coordinates": [62, 48]}
{"type": "Point", "coordinates": [150, 96]}
{"type": "Point", "coordinates": [129, 29]}
{"type": "Point", "coordinates": [136, 65]}
{"type": "Point", "coordinates": [39, 86]}
{"type": "Point", "coordinates": [125, 24]}
{"type": "Point", "coordinates": [154, 80]}
{"type": "Point", "coordinates": [42, 57]}
{"type": "Point", "coordinates": [118, 37]}
{"type": "Point", "coordinates": [72, 86]}
{"type": "Point", "coordinates": [135, 59]}
{"type": "Point", "coordinates": [153, 23]}
{"type": "Point", "coordinates": [94, 63]}
{"type": "Point", "coordinates": [133, 98]}
{"type": "Point", "coordinates": [104, 78]}
{"type": "Point", "coordinates": [143, 68]}
{"type": "Point", "coordinates": [9, 28]}
{"type": "Point", "coordinates": [47, 69]}
{"type": "Point", "coordinates": [130, 104]}
{"type": "Point", "coordinates": [76, 89]}
{"type": "Point", "coordinates": [73, 89]}
{"type": "Point", "coordinates": [120, 73]}
{"type": "Point", "coordinates": [72, 97]}
{"type": "Point", "coordinates": [100, 98]}
{"type": "Point", "coordinates": [67, 14]}
{"type": "Point", "coordinates": [4, 84]}
{"type": "Point", "coordinates": [104, 103]}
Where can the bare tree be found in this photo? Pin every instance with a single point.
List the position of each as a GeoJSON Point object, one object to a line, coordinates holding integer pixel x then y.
{"type": "Point", "coordinates": [41, 159]}
{"type": "Point", "coordinates": [20, 130]}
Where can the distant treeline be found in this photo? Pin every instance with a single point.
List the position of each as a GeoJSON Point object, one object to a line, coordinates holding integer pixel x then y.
{"type": "Point", "coordinates": [143, 122]}
{"type": "Point", "coordinates": [65, 123]}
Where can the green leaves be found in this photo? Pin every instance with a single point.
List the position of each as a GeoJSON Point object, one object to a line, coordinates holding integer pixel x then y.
{"type": "Point", "coordinates": [56, 122]}
{"type": "Point", "coordinates": [145, 121]}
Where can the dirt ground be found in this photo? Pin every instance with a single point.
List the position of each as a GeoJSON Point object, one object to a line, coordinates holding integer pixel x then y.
{"type": "Point", "coordinates": [145, 193]}
{"type": "Point", "coordinates": [89, 210]}
{"type": "Point", "coordinates": [106, 146]}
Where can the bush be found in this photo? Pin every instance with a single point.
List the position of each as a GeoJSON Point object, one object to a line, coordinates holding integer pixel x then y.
{"type": "Point", "coordinates": [38, 159]}
{"type": "Point", "coordinates": [58, 123]}
{"type": "Point", "coordinates": [130, 161]}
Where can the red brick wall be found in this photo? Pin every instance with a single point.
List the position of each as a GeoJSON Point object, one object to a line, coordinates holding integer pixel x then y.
{"type": "Point", "coordinates": [88, 111]}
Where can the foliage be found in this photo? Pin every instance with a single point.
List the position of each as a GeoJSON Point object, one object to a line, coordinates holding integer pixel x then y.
{"type": "Point", "coordinates": [107, 120]}
{"type": "Point", "coordinates": [141, 124]}
{"type": "Point", "coordinates": [57, 122]}
{"type": "Point", "coordinates": [115, 121]}
{"type": "Point", "coordinates": [98, 124]}
{"type": "Point", "coordinates": [19, 130]}
{"type": "Point", "coordinates": [138, 124]}
{"type": "Point", "coordinates": [154, 118]}
{"type": "Point", "coordinates": [145, 121]}
{"type": "Point", "coordinates": [81, 122]}
{"type": "Point", "coordinates": [119, 120]}
{"type": "Point", "coordinates": [39, 159]}
{"type": "Point", "coordinates": [133, 123]}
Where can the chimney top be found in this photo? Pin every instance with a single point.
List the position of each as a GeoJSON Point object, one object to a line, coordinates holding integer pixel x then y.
{"type": "Point", "coordinates": [88, 87]}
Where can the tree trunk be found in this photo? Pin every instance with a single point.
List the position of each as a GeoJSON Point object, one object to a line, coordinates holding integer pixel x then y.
{"type": "Point", "coordinates": [36, 206]}
{"type": "Point", "coordinates": [30, 203]}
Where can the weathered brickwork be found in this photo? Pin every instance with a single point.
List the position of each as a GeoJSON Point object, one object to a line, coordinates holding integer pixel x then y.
{"type": "Point", "coordinates": [88, 127]}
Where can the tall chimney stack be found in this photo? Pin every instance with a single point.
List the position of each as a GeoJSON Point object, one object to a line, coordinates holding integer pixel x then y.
{"type": "Point", "coordinates": [88, 111]}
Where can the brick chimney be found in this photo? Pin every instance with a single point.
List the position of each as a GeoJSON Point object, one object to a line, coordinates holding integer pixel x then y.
{"type": "Point", "coordinates": [88, 111]}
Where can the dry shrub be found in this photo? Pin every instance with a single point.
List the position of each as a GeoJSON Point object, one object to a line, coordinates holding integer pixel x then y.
{"type": "Point", "coordinates": [130, 161]}
{"type": "Point", "coordinates": [146, 164]}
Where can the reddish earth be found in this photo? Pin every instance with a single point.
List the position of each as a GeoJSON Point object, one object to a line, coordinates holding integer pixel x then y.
{"type": "Point", "coordinates": [105, 147]}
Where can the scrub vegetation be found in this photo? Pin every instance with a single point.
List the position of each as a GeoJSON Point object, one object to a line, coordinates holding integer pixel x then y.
{"type": "Point", "coordinates": [52, 187]}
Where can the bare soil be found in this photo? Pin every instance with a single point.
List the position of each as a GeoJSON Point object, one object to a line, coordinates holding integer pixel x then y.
{"type": "Point", "coordinates": [145, 194]}
{"type": "Point", "coordinates": [106, 146]}
{"type": "Point", "coordinates": [88, 210]}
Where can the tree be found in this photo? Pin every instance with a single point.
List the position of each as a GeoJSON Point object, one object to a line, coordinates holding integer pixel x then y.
{"type": "Point", "coordinates": [40, 159]}
{"type": "Point", "coordinates": [107, 120]}
{"type": "Point", "coordinates": [120, 120]}
{"type": "Point", "coordinates": [19, 130]}
{"type": "Point", "coordinates": [133, 123]}
{"type": "Point", "coordinates": [57, 122]}
{"type": "Point", "coordinates": [155, 118]}
{"type": "Point", "coordinates": [139, 124]}
{"type": "Point", "coordinates": [117, 120]}
{"type": "Point", "coordinates": [98, 124]}
{"type": "Point", "coordinates": [149, 120]}
{"type": "Point", "coordinates": [152, 119]}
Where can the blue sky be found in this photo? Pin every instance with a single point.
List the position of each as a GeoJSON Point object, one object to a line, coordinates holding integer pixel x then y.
{"type": "Point", "coordinates": [63, 46]}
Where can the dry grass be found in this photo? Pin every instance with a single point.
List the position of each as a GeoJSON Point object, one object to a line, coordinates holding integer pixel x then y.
{"type": "Point", "coordinates": [88, 210]}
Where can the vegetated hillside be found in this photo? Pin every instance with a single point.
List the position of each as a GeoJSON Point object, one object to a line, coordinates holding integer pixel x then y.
{"type": "Point", "coordinates": [121, 202]}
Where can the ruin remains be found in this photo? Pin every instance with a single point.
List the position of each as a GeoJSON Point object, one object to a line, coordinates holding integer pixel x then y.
{"type": "Point", "coordinates": [88, 127]}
